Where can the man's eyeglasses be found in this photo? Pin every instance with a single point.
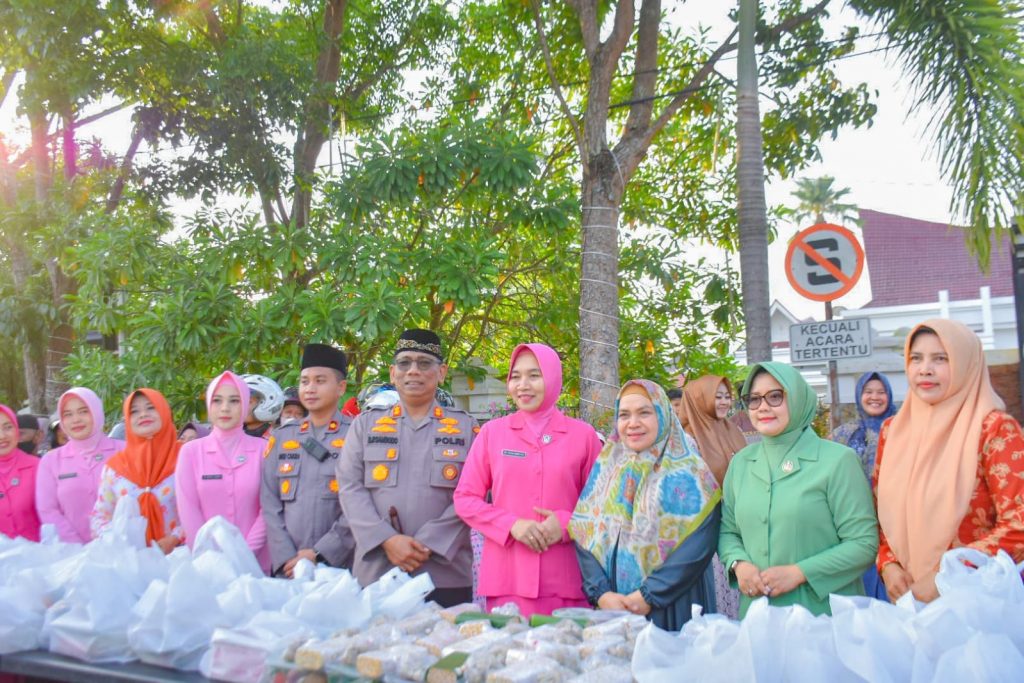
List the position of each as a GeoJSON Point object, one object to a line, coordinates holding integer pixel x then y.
{"type": "Point", "coordinates": [422, 364]}
{"type": "Point", "coordinates": [774, 399]}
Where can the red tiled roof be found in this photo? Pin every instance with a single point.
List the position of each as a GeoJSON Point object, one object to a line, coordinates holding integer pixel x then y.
{"type": "Point", "coordinates": [909, 261]}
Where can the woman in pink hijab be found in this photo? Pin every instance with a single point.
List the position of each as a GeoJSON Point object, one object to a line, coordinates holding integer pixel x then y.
{"type": "Point", "coordinates": [219, 474]}
{"type": "Point", "coordinates": [17, 482]}
{"type": "Point", "coordinates": [534, 463]}
{"type": "Point", "coordinates": [69, 476]}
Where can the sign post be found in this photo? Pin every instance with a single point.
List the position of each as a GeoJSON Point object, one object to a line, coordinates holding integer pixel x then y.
{"type": "Point", "coordinates": [823, 263]}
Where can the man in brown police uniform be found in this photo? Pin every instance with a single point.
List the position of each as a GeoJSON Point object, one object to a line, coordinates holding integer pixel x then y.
{"type": "Point", "coordinates": [398, 471]}
{"type": "Point", "coordinates": [299, 492]}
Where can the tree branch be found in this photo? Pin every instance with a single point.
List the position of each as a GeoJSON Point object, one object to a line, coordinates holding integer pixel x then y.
{"type": "Point", "coordinates": [542, 37]}
{"type": "Point", "coordinates": [116, 192]}
{"type": "Point", "coordinates": [586, 10]}
{"type": "Point", "coordinates": [698, 79]}
{"type": "Point", "coordinates": [645, 68]}
{"type": "Point", "coordinates": [622, 29]}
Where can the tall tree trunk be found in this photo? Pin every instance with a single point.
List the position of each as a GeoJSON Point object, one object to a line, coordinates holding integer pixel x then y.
{"type": "Point", "coordinates": [599, 292]}
{"type": "Point", "coordinates": [60, 340]}
{"type": "Point", "coordinates": [752, 211]}
{"type": "Point", "coordinates": [69, 149]}
{"type": "Point", "coordinates": [316, 118]}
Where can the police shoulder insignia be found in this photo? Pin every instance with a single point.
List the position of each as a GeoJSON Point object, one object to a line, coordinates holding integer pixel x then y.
{"type": "Point", "coordinates": [396, 411]}
{"type": "Point", "coordinates": [305, 426]}
{"type": "Point", "coordinates": [270, 446]}
{"type": "Point", "coordinates": [438, 413]}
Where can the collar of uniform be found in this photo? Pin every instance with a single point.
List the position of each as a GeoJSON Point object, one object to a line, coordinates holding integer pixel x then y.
{"type": "Point", "coordinates": [558, 422]}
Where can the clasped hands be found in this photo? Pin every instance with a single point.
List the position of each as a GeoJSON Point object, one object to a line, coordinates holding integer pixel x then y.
{"type": "Point", "coordinates": [538, 536]}
{"type": "Point", "coordinates": [898, 581]}
{"type": "Point", "coordinates": [634, 602]}
{"type": "Point", "coordinates": [773, 581]}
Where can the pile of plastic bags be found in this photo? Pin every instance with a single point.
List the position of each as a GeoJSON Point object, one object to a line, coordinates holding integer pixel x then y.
{"type": "Point", "coordinates": [116, 600]}
{"type": "Point", "coordinates": [973, 632]}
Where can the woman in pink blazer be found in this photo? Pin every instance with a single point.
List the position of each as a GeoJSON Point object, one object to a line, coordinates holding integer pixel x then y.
{"type": "Point", "coordinates": [69, 477]}
{"type": "Point", "coordinates": [17, 482]}
{"type": "Point", "coordinates": [533, 463]}
{"type": "Point", "coordinates": [219, 474]}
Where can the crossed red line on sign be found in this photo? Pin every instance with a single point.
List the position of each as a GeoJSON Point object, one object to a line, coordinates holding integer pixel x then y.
{"type": "Point", "coordinates": [824, 262]}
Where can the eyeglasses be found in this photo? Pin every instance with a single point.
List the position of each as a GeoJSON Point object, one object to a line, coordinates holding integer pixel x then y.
{"type": "Point", "coordinates": [774, 399]}
{"type": "Point", "coordinates": [422, 364]}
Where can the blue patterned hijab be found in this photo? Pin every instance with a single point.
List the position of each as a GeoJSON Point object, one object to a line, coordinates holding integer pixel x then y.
{"type": "Point", "coordinates": [858, 440]}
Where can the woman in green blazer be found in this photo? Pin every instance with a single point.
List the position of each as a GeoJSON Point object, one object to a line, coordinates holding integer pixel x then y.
{"type": "Point", "coordinates": [798, 521]}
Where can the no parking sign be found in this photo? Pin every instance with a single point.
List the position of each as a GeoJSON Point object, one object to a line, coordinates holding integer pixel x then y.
{"type": "Point", "coordinates": [824, 262]}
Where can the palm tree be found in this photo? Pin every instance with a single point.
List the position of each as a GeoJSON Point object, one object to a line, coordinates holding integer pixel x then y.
{"type": "Point", "coordinates": [751, 211]}
{"type": "Point", "coordinates": [818, 200]}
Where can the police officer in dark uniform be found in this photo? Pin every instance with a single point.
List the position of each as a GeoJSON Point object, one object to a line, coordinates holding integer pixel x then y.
{"type": "Point", "coordinates": [299, 492]}
{"type": "Point", "coordinates": [398, 473]}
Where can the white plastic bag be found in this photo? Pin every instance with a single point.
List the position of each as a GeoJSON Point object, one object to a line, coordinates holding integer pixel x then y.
{"type": "Point", "coordinates": [873, 638]}
{"type": "Point", "coordinates": [221, 536]}
{"type": "Point", "coordinates": [175, 621]}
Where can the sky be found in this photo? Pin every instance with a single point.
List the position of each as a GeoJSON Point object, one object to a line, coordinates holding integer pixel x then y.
{"type": "Point", "coordinates": [887, 167]}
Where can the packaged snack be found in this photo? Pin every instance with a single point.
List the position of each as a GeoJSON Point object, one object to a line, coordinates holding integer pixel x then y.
{"type": "Point", "coordinates": [620, 627]}
{"type": "Point", "coordinates": [479, 643]}
{"type": "Point", "coordinates": [468, 629]}
{"type": "Point", "coordinates": [443, 635]}
{"type": "Point", "coordinates": [509, 609]}
{"type": "Point", "coordinates": [539, 670]}
{"type": "Point", "coordinates": [314, 654]}
{"type": "Point", "coordinates": [417, 624]}
{"type": "Point", "coordinates": [410, 662]}
{"type": "Point", "coordinates": [566, 655]}
{"type": "Point", "coordinates": [613, 645]}
{"type": "Point", "coordinates": [450, 613]}
{"type": "Point", "coordinates": [565, 632]}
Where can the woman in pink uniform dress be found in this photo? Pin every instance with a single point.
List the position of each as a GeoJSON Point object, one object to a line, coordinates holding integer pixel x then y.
{"type": "Point", "coordinates": [17, 482]}
{"type": "Point", "coordinates": [534, 463]}
{"type": "Point", "coordinates": [69, 477]}
{"type": "Point", "coordinates": [219, 474]}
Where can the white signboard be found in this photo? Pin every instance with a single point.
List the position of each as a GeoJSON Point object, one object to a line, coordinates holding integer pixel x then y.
{"type": "Point", "coordinates": [817, 342]}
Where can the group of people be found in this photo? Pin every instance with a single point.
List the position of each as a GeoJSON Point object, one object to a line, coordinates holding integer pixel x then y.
{"type": "Point", "coordinates": [673, 509]}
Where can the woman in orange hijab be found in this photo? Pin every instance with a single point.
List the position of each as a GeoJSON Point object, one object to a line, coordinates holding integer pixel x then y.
{"type": "Point", "coordinates": [950, 464]}
{"type": "Point", "coordinates": [144, 469]}
{"type": "Point", "coordinates": [704, 413]}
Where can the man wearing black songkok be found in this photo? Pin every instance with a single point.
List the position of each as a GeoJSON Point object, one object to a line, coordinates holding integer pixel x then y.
{"type": "Point", "coordinates": [398, 472]}
{"type": "Point", "coordinates": [299, 494]}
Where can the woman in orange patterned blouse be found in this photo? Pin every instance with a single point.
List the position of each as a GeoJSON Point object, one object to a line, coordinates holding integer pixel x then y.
{"type": "Point", "coordinates": [950, 465]}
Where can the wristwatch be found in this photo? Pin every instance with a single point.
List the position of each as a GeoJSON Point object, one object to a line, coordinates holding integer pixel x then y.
{"type": "Point", "coordinates": [732, 567]}
{"type": "Point", "coordinates": [319, 558]}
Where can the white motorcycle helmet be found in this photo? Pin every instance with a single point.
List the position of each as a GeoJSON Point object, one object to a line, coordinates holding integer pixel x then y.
{"type": "Point", "coordinates": [267, 397]}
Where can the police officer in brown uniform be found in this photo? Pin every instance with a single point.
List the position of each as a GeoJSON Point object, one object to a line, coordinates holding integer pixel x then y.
{"type": "Point", "coordinates": [299, 491]}
{"type": "Point", "coordinates": [398, 472]}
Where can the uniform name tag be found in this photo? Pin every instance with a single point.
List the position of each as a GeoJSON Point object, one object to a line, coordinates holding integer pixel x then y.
{"type": "Point", "coordinates": [213, 476]}
{"type": "Point", "coordinates": [513, 454]}
{"type": "Point", "coordinates": [67, 475]}
{"type": "Point", "coordinates": [382, 439]}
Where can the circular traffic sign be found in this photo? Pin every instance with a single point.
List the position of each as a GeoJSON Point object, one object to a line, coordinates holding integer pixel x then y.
{"type": "Point", "coordinates": [824, 262]}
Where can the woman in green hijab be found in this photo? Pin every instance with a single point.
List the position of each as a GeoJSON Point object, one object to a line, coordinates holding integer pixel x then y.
{"type": "Point", "coordinates": [798, 521]}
